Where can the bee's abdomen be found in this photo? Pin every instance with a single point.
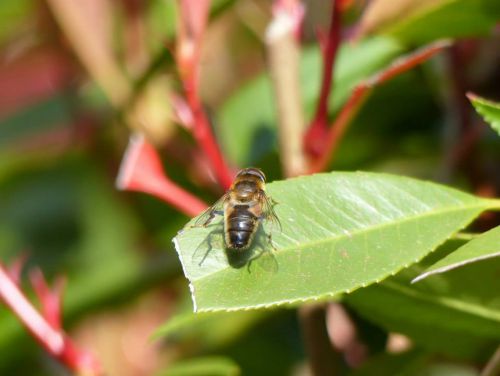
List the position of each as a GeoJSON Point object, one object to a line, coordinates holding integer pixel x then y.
{"type": "Point", "coordinates": [240, 228]}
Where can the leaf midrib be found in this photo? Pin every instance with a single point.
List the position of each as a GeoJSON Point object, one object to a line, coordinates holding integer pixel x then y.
{"type": "Point", "coordinates": [482, 205]}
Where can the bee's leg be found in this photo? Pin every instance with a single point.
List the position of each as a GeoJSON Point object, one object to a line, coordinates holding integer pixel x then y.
{"type": "Point", "coordinates": [211, 217]}
{"type": "Point", "coordinates": [270, 241]}
{"type": "Point", "coordinates": [209, 240]}
{"type": "Point", "coordinates": [252, 258]}
{"type": "Point", "coordinates": [268, 235]}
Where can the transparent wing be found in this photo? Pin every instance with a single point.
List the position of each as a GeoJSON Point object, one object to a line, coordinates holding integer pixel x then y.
{"type": "Point", "coordinates": [209, 214]}
{"type": "Point", "coordinates": [265, 261]}
{"type": "Point", "coordinates": [268, 211]}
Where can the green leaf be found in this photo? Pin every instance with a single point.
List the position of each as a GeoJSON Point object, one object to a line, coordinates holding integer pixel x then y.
{"type": "Point", "coordinates": [407, 364]}
{"type": "Point", "coordinates": [209, 329]}
{"type": "Point", "coordinates": [489, 110]}
{"type": "Point", "coordinates": [246, 127]}
{"type": "Point", "coordinates": [447, 369]}
{"type": "Point", "coordinates": [213, 366]}
{"type": "Point", "coordinates": [423, 310]}
{"type": "Point", "coordinates": [483, 247]}
{"type": "Point", "coordinates": [42, 117]}
{"type": "Point", "coordinates": [341, 231]}
{"type": "Point", "coordinates": [13, 14]}
{"type": "Point", "coordinates": [447, 19]}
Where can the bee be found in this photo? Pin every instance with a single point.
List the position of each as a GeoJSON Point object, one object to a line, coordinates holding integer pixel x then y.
{"type": "Point", "coordinates": [244, 206]}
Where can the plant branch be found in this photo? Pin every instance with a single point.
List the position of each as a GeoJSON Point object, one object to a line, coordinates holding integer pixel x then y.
{"type": "Point", "coordinates": [90, 40]}
{"type": "Point", "coordinates": [141, 170]}
{"type": "Point", "coordinates": [46, 329]}
{"type": "Point", "coordinates": [192, 22]}
{"type": "Point", "coordinates": [323, 359]}
{"type": "Point", "coordinates": [318, 128]}
{"type": "Point", "coordinates": [284, 55]}
{"type": "Point", "coordinates": [360, 93]}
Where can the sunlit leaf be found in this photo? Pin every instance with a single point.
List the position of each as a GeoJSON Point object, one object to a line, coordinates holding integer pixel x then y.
{"type": "Point", "coordinates": [482, 247]}
{"type": "Point", "coordinates": [489, 110]}
{"type": "Point", "coordinates": [341, 231]}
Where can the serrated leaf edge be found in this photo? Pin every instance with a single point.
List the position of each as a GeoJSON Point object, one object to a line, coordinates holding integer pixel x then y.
{"type": "Point", "coordinates": [326, 296]}
{"type": "Point", "coordinates": [191, 286]}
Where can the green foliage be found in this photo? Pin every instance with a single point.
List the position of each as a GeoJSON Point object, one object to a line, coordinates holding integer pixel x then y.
{"type": "Point", "coordinates": [423, 310]}
{"type": "Point", "coordinates": [446, 19]}
{"type": "Point", "coordinates": [247, 135]}
{"type": "Point", "coordinates": [209, 329]}
{"type": "Point", "coordinates": [69, 218]}
{"type": "Point", "coordinates": [341, 231]}
{"type": "Point", "coordinates": [407, 364]}
{"type": "Point", "coordinates": [482, 247]}
{"type": "Point", "coordinates": [12, 14]}
{"type": "Point", "coordinates": [489, 110]}
{"type": "Point", "coordinates": [359, 239]}
{"type": "Point", "coordinates": [48, 115]}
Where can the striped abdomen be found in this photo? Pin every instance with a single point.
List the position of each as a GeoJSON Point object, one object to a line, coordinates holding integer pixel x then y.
{"type": "Point", "coordinates": [241, 225]}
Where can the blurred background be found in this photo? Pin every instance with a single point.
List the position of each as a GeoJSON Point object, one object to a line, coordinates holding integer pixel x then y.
{"type": "Point", "coordinates": [76, 76]}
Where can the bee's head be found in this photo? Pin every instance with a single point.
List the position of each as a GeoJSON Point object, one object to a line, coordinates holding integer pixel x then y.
{"type": "Point", "coordinates": [253, 171]}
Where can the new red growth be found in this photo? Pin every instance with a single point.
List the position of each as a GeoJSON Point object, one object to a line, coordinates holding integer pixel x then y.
{"type": "Point", "coordinates": [45, 327]}
{"type": "Point", "coordinates": [314, 141]}
{"type": "Point", "coordinates": [192, 22]}
{"type": "Point", "coordinates": [360, 92]}
{"type": "Point", "coordinates": [142, 171]}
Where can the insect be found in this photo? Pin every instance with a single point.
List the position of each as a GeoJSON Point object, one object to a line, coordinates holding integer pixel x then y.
{"type": "Point", "coordinates": [244, 206]}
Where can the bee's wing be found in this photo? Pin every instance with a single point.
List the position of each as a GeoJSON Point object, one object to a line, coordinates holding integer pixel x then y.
{"type": "Point", "coordinates": [209, 214]}
{"type": "Point", "coordinates": [268, 210]}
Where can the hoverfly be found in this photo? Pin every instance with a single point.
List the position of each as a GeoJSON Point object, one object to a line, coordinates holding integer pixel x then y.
{"type": "Point", "coordinates": [244, 206]}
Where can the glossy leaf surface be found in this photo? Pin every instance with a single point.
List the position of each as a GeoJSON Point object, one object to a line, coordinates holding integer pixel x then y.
{"type": "Point", "coordinates": [341, 231]}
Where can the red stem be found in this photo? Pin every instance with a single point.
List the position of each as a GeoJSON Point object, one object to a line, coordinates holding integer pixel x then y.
{"type": "Point", "coordinates": [408, 61]}
{"type": "Point", "coordinates": [361, 91]}
{"type": "Point", "coordinates": [318, 127]}
{"type": "Point", "coordinates": [192, 23]}
{"type": "Point", "coordinates": [339, 127]}
{"type": "Point", "coordinates": [54, 340]}
{"type": "Point", "coordinates": [202, 132]}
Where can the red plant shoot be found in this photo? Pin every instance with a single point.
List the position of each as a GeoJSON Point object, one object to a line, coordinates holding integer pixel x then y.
{"type": "Point", "coordinates": [192, 22]}
{"type": "Point", "coordinates": [314, 141]}
{"type": "Point", "coordinates": [360, 92]}
{"type": "Point", "coordinates": [45, 327]}
{"type": "Point", "coordinates": [142, 171]}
